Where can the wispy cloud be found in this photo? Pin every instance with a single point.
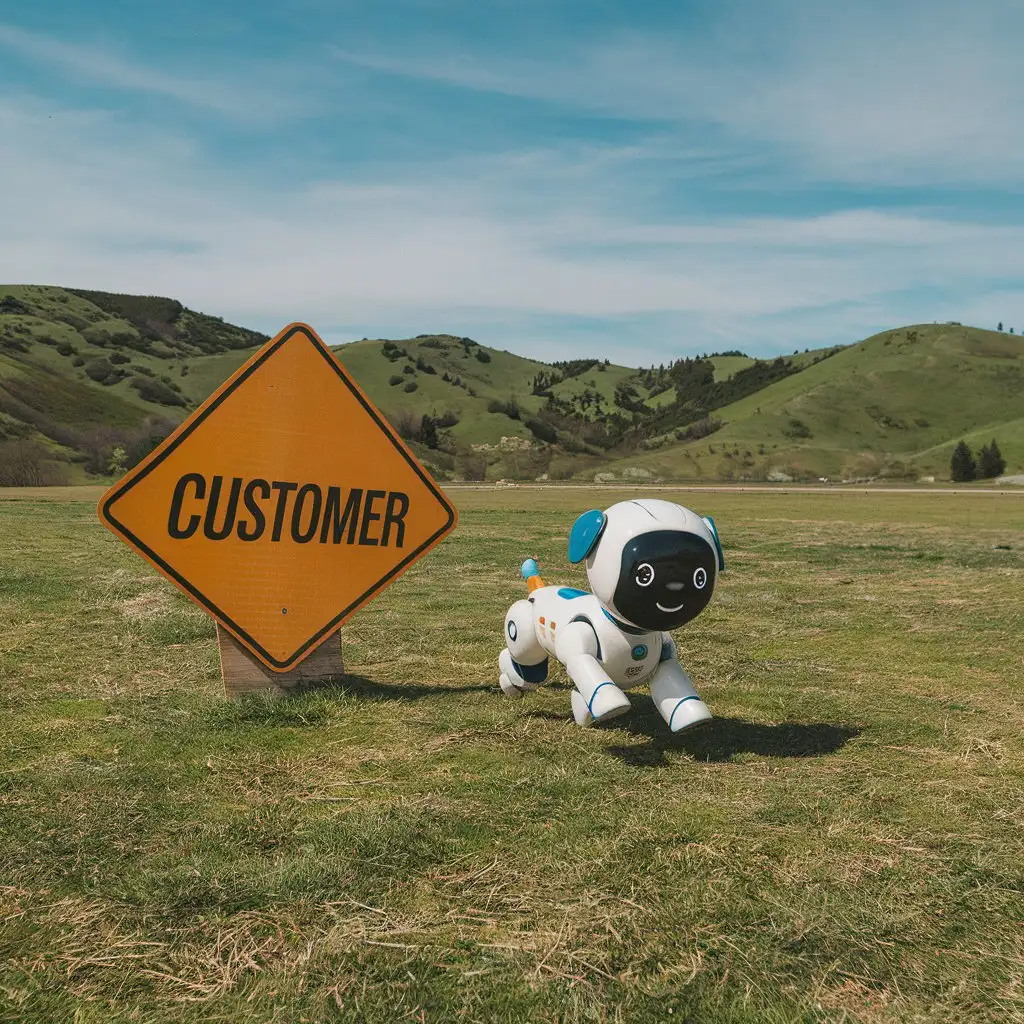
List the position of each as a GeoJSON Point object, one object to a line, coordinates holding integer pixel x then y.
{"type": "Point", "coordinates": [784, 176]}
{"type": "Point", "coordinates": [908, 93]}
{"type": "Point", "coordinates": [242, 97]}
{"type": "Point", "coordinates": [445, 252]}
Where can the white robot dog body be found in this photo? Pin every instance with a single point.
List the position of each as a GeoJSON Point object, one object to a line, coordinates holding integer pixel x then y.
{"type": "Point", "coordinates": [652, 566]}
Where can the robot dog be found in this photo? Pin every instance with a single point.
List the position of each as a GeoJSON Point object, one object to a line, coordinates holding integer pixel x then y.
{"type": "Point", "coordinates": [652, 566]}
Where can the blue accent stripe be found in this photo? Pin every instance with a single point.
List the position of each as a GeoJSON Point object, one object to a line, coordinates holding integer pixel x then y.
{"type": "Point", "coordinates": [590, 703]}
{"type": "Point", "coordinates": [718, 544]}
{"type": "Point", "coordinates": [671, 717]}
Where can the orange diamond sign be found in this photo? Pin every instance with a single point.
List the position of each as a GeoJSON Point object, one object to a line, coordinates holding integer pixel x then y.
{"type": "Point", "coordinates": [283, 504]}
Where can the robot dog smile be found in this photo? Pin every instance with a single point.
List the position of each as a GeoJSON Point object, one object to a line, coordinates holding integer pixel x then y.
{"type": "Point", "coordinates": [652, 567]}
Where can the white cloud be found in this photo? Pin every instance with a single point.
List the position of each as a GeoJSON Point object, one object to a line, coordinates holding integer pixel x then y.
{"type": "Point", "coordinates": [92, 202]}
{"type": "Point", "coordinates": [896, 93]}
{"type": "Point", "coordinates": [248, 97]}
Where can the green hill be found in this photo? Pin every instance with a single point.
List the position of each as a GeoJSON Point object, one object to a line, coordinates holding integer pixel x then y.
{"type": "Point", "coordinates": [91, 381]}
{"type": "Point", "coordinates": [893, 405]}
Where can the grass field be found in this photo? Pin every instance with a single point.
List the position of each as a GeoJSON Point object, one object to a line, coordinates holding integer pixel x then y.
{"type": "Point", "coordinates": [844, 843]}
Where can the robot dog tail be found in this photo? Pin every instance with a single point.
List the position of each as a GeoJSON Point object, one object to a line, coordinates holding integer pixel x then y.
{"type": "Point", "coordinates": [531, 573]}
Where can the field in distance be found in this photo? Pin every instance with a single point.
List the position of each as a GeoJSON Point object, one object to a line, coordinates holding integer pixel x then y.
{"type": "Point", "coordinates": [842, 844]}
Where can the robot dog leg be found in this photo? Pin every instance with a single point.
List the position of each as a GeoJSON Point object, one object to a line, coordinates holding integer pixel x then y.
{"type": "Point", "coordinates": [523, 663]}
{"type": "Point", "coordinates": [596, 698]}
{"type": "Point", "coordinates": [673, 693]}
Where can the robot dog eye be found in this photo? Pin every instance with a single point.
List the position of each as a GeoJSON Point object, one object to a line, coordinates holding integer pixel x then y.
{"type": "Point", "coordinates": [700, 578]}
{"type": "Point", "coordinates": [644, 575]}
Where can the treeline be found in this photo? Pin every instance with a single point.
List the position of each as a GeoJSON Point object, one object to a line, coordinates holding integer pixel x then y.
{"type": "Point", "coordinates": [989, 464]}
{"type": "Point", "coordinates": [698, 393]}
{"type": "Point", "coordinates": [167, 321]}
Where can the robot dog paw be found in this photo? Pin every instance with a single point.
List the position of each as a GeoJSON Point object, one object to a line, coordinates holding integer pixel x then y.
{"type": "Point", "coordinates": [689, 713]}
{"type": "Point", "coordinates": [607, 702]}
{"type": "Point", "coordinates": [514, 686]}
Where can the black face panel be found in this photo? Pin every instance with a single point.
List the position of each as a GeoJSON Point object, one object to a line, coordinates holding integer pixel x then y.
{"type": "Point", "coordinates": [652, 561]}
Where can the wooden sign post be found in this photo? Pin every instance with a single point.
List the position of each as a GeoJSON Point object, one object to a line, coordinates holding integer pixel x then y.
{"type": "Point", "coordinates": [281, 506]}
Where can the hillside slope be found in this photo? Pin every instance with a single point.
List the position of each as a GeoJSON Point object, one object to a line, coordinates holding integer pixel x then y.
{"type": "Point", "coordinates": [88, 374]}
{"type": "Point", "coordinates": [894, 405]}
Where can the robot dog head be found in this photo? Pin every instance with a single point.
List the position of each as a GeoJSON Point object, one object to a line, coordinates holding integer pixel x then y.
{"type": "Point", "coordinates": [651, 563]}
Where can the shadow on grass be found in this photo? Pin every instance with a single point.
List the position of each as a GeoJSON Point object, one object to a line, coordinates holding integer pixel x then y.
{"type": "Point", "coordinates": [723, 738]}
{"type": "Point", "coordinates": [374, 689]}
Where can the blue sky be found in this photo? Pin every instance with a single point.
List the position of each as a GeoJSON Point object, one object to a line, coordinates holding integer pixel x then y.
{"type": "Point", "coordinates": [633, 181]}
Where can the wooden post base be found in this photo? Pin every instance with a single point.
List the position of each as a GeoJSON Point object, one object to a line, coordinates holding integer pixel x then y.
{"type": "Point", "coordinates": [243, 673]}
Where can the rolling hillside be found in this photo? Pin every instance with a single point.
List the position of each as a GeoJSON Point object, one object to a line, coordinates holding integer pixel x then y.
{"type": "Point", "coordinates": [88, 375]}
{"type": "Point", "coordinates": [893, 405]}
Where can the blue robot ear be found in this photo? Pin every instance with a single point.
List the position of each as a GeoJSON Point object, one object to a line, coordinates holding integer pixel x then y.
{"type": "Point", "coordinates": [586, 532]}
{"type": "Point", "coordinates": [710, 523]}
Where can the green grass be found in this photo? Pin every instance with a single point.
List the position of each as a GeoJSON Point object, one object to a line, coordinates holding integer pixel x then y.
{"type": "Point", "coordinates": [842, 844]}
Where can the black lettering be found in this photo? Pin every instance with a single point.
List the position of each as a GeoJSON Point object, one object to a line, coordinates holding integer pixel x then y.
{"type": "Point", "coordinates": [258, 518]}
{"type": "Point", "coordinates": [229, 513]}
{"type": "Point", "coordinates": [370, 516]}
{"type": "Point", "coordinates": [336, 518]}
{"type": "Point", "coordinates": [174, 519]}
{"type": "Point", "coordinates": [283, 490]}
{"type": "Point", "coordinates": [394, 516]}
{"type": "Point", "coordinates": [298, 535]}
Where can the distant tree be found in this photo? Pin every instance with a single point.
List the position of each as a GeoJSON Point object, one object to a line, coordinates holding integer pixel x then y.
{"type": "Point", "coordinates": [27, 463]}
{"type": "Point", "coordinates": [962, 466]}
{"type": "Point", "coordinates": [118, 460]}
{"type": "Point", "coordinates": [990, 461]}
{"type": "Point", "coordinates": [428, 431]}
{"type": "Point", "coordinates": [1000, 325]}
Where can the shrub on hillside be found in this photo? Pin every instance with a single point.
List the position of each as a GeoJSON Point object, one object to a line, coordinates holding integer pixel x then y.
{"type": "Point", "coordinates": [157, 391]}
{"type": "Point", "coordinates": [483, 355]}
{"type": "Point", "coordinates": [541, 430]}
{"type": "Point", "coordinates": [702, 428]}
{"type": "Point", "coordinates": [796, 429]}
{"type": "Point", "coordinates": [395, 379]}
{"type": "Point", "coordinates": [406, 424]}
{"type": "Point", "coordinates": [428, 431]}
{"type": "Point", "coordinates": [9, 304]}
{"type": "Point", "coordinates": [509, 408]}
{"type": "Point", "coordinates": [103, 372]}
{"type": "Point", "coordinates": [119, 357]}
{"type": "Point", "coordinates": [27, 463]}
{"type": "Point", "coordinates": [410, 386]}
{"type": "Point", "coordinates": [472, 466]}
